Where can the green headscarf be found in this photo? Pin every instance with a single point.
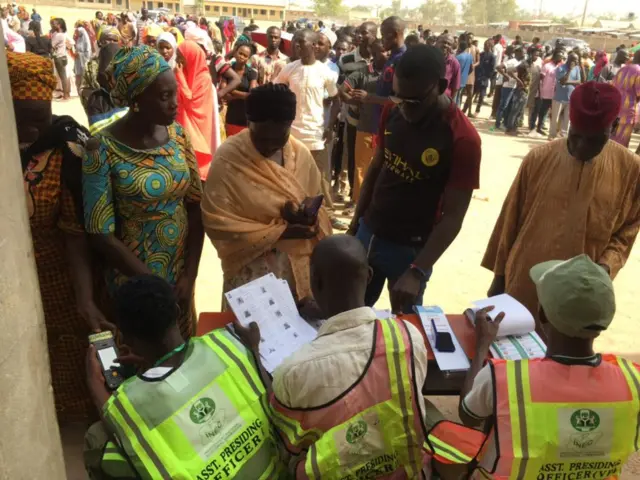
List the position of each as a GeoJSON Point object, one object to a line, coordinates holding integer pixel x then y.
{"type": "Point", "coordinates": [133, 69]}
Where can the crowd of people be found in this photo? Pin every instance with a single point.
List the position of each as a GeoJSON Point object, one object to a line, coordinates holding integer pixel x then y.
{"type": "Point", "coordinates": [197, 132]}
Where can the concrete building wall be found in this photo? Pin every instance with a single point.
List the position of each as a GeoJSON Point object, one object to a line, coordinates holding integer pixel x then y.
{"type": "Point", "coordinates": [244, 10]}
{"type": "Point", "coordinates": [30, 440]}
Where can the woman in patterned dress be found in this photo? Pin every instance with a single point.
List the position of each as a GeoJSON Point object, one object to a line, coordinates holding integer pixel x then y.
{"type": "Point", "coordinates": [51, 154]}
{"type": "Point", "coordinates": [141, 186]}
{"type": "Point", "coordinates": [627, 81]}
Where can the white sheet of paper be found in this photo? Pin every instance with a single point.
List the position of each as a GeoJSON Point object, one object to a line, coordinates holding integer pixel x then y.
{"type": "Point", "coordinates": [268, 302]}
{"type": "Point", "coordinates": [517, 319]}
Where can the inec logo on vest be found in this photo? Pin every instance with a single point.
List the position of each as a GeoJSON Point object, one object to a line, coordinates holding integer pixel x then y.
{"type": "Point", "coordinates": [356, 431]}
{"type": "Point", "coordinates": [585, 420]}
{"type": "Point", "coordinates": [202, 410]}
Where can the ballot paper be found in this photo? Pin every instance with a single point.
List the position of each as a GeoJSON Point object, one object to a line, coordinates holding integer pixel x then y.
{"type": "Point", "coordinates": [517, 338]}
{"type": "Point", "coordinates": [455, 361]}
{"type": "Point", "coordinates": [268, 302]}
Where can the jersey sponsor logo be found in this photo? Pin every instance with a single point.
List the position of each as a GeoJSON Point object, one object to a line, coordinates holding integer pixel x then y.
{"type": "Point", "coordinates": [394, 163]}
{"type": "Point", "coordinates": [430, 157]}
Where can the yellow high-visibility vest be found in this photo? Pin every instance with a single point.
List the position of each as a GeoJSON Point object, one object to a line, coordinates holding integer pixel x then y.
{"type": "Point", "coordinates": [205, 420]}
{"type": "Point", "coordinates": [552, 422]}
{"type": "Point", "coordinates": [374, 430]}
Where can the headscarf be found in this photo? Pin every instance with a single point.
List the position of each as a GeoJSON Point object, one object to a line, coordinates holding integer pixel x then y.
{"type": "Point", "coordinates": [200, 37]}
{"type": "Point", "coordinates": [230, 30]}
{"type": "Point", "coordinates": [195, 101]}
{"type": "Point", "coordinates": [31, 76]}
{"type": "Point", "coordinates": [152, 30]}
{"type": "Point", "coordinates": [14, 24]}
{"type": "Point", "coordinates": [602, 59]}
{"type": "Point", "coordinates": [171, 40]}
{"type": "Point", "coordinates": [594, 106]}
{"type": "Point", "coordinates": [111, 31]}
{"type": "Point", "coordinates": [177, 35]}
{"type": "Point", "coordinates": [92, 35]}
{"type": "Point", "coordinates": [132, 70]}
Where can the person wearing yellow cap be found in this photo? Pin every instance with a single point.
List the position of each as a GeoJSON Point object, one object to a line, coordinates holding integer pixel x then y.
{"type": "Point", "coordinates": [50, 152]}
{"type": "Point", "coordinates": [574, 195]}
{"type": "Point", "coordinates": [571, 415]}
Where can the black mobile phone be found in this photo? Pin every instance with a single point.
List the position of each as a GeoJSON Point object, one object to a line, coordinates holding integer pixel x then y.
{"type": "Point", "coordinates": [107, 353]}
{"type": "Point", "coordinates": [312, 207]}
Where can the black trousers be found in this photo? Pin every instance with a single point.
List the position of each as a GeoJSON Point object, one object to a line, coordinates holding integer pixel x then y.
{"type": "Point", "coordinates": [342, 140]}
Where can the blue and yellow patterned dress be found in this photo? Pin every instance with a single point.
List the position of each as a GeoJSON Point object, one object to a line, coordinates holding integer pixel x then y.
{"type": "Point", "coordinates": [141, 196]}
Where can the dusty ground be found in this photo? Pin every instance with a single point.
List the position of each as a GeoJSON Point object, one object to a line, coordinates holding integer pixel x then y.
{"type": "Point", "coordinates": [458, 278]}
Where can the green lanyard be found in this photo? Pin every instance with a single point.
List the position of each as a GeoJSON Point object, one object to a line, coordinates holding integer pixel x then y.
{"type": "Point", "coordinates": [170, 354]}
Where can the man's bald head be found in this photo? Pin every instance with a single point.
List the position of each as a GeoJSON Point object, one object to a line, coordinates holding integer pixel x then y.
{"type": "Point", "coordinates": [392, 32]}
{"type": "Point", "coordinates": [394, 22]}
{"type": "Point", "coordinates": [339, 274]}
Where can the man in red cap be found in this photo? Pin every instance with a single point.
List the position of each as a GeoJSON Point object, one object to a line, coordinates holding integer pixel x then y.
{"type": "Point", "coordinates": [575, 195]}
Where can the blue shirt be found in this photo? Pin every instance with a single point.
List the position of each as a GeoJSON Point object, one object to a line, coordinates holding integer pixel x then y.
{"type": "Point", "coordinates": [384, 88]}
{"type": "Point", "coordinates": [563, 92]}
{"type": "Point", "coordinates": [465, 60]}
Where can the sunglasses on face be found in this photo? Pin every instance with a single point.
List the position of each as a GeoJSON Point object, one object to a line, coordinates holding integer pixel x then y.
{"type": "Point", "coordinates": [405, 101]}
{"type": "Point", "coordinates": [412, 101]}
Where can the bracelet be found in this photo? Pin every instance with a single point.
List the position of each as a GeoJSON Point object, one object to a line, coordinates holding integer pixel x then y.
{"type": "Point", "coordinates": [413, 266]}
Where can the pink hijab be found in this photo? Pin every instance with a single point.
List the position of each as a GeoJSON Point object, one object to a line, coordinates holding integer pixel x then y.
{"type": "Point", "coordinates": [195, 98]}
{"type": "Point", "coordinates": [602, 59]}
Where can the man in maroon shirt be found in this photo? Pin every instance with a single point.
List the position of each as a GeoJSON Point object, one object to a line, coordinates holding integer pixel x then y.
{"type": "Point", "coordinates": [419, 185]}
{"type": "Point", "coordinates": [445, 43]}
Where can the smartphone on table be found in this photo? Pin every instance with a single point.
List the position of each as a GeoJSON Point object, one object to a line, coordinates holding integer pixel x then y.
{"type": "Point", "coordinates": [107, 354]}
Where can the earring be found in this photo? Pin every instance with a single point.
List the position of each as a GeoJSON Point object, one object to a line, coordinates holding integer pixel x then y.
{"type": "Point", "coordinates": [136, 108]}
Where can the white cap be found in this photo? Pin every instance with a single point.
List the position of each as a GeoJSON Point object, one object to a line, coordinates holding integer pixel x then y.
{"type": "Point", "coordinates": [333, 38]}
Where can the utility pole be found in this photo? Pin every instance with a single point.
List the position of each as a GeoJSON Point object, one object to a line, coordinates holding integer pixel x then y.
{"type": "Point", "coordinates": [584, 12]}
{"type": "Point", "coordinates": [30, 441]}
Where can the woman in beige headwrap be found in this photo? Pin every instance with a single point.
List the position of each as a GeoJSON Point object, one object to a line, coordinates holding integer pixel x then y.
{"type": "Point", "coordinates": [256, 206]}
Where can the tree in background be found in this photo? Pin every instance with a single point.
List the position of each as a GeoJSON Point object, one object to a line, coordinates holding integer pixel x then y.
{"type": "Point", "coordinates": [481, 12]}
{"type": "Point", "coordinates": [329, 8]}
{"type": "Point", "coordinates": [439, 12]}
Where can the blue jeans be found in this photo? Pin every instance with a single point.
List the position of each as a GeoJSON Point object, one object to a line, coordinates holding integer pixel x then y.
{"type": "Point", "coordinates": [388, 261]}
{"type": "Point", "coordinates": [503, 108]}
{"type": "Point", "coordinates": [458, 98]}
{"type": "Point", "coordinates": [516, 109]}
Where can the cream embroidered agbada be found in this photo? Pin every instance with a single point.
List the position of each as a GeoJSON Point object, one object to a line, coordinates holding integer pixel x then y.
{"type": "Point", "coordinates": [559, 207]}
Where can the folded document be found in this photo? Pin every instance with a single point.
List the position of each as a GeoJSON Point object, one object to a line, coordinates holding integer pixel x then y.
{"type": "Point", "coordinates": [517, 338]}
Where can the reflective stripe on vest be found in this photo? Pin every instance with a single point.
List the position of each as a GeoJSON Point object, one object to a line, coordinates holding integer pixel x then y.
{"type": "Point", "coordinates": [560, 422]}
{"type": "Point", "coordinates": [209, 424]}
{"type": "Point", "coordinates": [451, 443]}
{"type": "Point", "coordinates": [114, 464]}
{"type": "Point", "coordinates": [374, 430]}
